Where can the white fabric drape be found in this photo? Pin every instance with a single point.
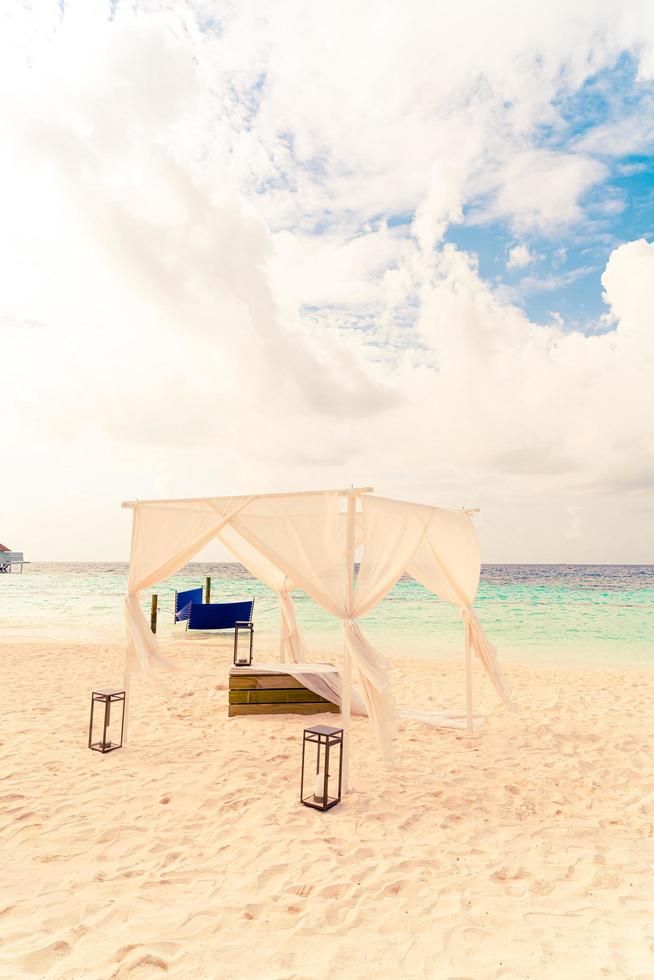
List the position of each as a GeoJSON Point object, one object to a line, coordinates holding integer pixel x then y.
{"type": "Point", "coordinates": [256, 542]}
{"type": "Point", "coordinates": [442, 719]}
{"type": "Point", "coordinates": [389, 538]}
{"type": "Point", "coordinates": [305, 537]}
{"type": "Point", "coordinates": [265, 569]}
{"type": "Point", "coordinates": [478, 641]}
{"type": "Point", "coordinates": [398, 536]}
{"type": "Point", "coordinates": [449, 564]}
{"type": "Point", "coordinates": [293, 647]}
{"type": "Point", "coordinates": [300, 542]}
{"type": "Point", "coordinates": [447, 561]}
{"type": "Point", "coordinates": [325, 680]}
{"type": "Point", "coordinates": [163, 540]}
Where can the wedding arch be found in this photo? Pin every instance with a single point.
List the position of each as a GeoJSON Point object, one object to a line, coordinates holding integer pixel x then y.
{"type": "Point", "coordinates": [308, 540]}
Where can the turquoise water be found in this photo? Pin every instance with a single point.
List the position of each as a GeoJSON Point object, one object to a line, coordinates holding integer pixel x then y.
{"type": "Point", "coordinates": [584, 613]}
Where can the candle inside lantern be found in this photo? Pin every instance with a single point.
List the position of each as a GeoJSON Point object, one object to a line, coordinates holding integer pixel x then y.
{"type": "Point", "coordinates": [106, 741]}
{"type": "Point", "coordinates": [320, 786]}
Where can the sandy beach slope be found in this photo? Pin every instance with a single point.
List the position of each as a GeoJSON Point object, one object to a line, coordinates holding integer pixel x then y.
{"type": "Point", "coordinates": [527, 852]}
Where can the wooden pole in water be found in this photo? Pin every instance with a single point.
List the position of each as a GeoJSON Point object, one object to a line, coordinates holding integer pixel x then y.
{"type": "Point", "coordinates": [207, 589]}
{"type": "Point", "coordinates": [153, 612]}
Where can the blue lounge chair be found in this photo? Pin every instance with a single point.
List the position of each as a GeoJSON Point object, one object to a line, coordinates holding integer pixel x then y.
{"type": "Point", "coordinates": [183, 602]}
{"type": "Point", "coordinates": [219, 615]}
{"type": "Point", "coordinates": [235, 616]}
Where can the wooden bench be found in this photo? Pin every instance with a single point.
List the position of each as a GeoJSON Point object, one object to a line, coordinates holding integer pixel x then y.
{"type": "Point", "coordinates": [266, 693]}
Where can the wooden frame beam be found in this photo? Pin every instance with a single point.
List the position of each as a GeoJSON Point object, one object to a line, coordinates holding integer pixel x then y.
{"type": "Point", "coordinates": [349, 492]}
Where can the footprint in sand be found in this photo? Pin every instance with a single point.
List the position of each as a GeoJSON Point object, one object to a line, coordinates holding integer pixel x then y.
{"type": "Point", "coordinates": [41, 960]}
{"type": "Point", "coordinates": [142, 966]}
{"type": "Point", "coordinates": [302, 890]}
{"type": "Point", "coordinates": [338, 890]}
{"type": "Point", "coordinates": [252, 910]}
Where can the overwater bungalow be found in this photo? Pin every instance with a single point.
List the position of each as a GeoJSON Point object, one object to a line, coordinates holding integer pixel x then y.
{"type": "Point", "coordinates": [10, 560]}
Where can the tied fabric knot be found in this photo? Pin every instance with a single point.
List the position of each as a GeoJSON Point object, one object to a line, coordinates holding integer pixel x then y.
{"type": "Point", "coordinates": [468, 615]}
{"type": "Point", "coordinates": [369, 663]}
{"type": "Point", "coordinates": [375, 686]}
{"type": "Point", "coordinates": [143, 653]}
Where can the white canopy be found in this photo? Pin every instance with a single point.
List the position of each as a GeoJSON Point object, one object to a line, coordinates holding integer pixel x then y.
{"type": "Point", "coordinates": [307, 541]}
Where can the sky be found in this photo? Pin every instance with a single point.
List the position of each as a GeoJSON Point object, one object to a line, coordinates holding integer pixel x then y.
{"type": "Point", "coordinates": [253, 247]}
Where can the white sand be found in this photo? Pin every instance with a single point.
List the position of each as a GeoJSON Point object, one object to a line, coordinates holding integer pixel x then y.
{"type": "Point", "coordinates": [526, 852]}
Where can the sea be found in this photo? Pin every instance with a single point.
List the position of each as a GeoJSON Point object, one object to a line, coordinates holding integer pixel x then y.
{"type": "Point", "coordinates": [592, 614]}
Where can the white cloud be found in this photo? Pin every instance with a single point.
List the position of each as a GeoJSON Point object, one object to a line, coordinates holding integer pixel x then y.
{"type": "Point", "coordinates": [544, 284]}
{"type": "Point", "coordinates": [628, 281]}
{"type": "Point", "coordinates": [519, 256]}
{"type": "Point", "coordinates": [160, 187]}
{"type": "Point", "coordinates": [540, 190]}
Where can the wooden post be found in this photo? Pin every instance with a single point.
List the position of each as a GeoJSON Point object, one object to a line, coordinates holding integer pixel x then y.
{"type": "Point", "coordinates": [470, 725]}
{"type": "Point", "coordinates": [207, 589]}
{"type": "Point", "coordinates": [346, 689]}
{"type": "Point", "coordinates": [153, 612]}
{"type": "Point", "coordinates": [126, 680]}
{"type": "Point", "coordinates": [282, 645]}
{"type": "Point", "coordinates": [175, 607]}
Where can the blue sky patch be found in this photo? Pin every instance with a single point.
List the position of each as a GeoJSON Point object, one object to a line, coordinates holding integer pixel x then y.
{"type": "Point", "coordinates": [564, 277]}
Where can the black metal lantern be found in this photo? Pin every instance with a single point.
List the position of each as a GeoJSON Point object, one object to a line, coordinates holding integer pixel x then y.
{"type": "Point", "coordinates": [243, 657]}
{"type": "Point", "coordinates": [107, 720]}
{"type": "Point", "coordinates": [322, 767]}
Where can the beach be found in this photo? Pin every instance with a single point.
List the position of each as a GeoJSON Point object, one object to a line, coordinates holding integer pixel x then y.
{"type": "Point", "coordinates": [526, 851]}
{"type": "Point", "coordinates": [327, 336]}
